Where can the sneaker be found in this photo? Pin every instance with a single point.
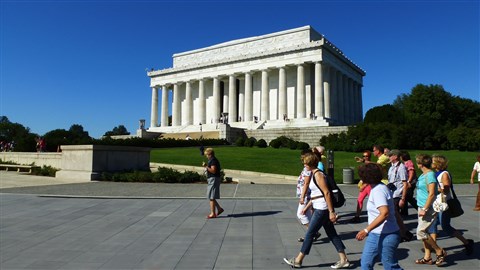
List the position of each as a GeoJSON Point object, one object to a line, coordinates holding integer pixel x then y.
{"type": "Point", "coordinates": [340, 265]}
{"type": "Point", "coordinates": [292, 262]}
{"type": "Point", "coordinates": [317, 235]}
{"type": "Point", "coordinates": [301, 239]}
{"type": "Point", "coordinates": [469, 247]}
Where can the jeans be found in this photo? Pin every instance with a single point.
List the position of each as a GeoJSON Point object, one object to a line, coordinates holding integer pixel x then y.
{"type": "Point", "coordinates": [445, 220]}
{"type": "Point", "coordinates": [320, 218]}
{"type": "Point", "coordinates": [384, 245]}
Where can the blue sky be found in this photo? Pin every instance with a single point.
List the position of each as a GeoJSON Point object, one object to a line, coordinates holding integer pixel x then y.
{"type": "Point", "coordinates": [83, 62]}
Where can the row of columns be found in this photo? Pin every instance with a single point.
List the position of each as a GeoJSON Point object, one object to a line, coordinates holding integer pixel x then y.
{"type": "Point", "coordinates": [337, 97]}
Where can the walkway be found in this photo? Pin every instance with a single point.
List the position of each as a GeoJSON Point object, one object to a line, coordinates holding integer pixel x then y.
{"type": "Point", "coordinates": [47, 223]}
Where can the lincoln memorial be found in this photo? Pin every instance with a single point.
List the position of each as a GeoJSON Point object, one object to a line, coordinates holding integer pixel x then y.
{"type": "Point", "coordinates": [293, 79]}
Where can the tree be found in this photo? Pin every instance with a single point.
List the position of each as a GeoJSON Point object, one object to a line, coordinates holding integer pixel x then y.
{"type": "Point", "coordinates": [384, 114]}
{"type": "Point", "coordinates": [120, 130]}
{"type": "Point", "coordinates": [15, 132]}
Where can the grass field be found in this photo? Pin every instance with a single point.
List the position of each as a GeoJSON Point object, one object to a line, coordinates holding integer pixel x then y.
{"type": "Point", "coordinates": [287, 162]}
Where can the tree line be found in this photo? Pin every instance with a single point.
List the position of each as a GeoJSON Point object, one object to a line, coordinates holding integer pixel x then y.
{"type": "Point", "coordinates": [429, 118]}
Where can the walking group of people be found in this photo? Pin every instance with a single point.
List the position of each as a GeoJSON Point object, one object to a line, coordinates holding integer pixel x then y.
{"type": "Point", "coordinates": [389, 183]}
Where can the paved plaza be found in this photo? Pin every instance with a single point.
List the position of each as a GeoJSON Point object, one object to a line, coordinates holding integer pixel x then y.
{"type": "Point", "coordinates": [47, 223]}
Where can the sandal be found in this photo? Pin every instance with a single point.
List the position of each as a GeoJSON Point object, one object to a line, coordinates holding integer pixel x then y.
{"type": "Point", "coordinates": [211, 216]}
{"type": "Point", "coordinates": [424, 261]}
{"type": "Point", "coordinates": [441, 258]}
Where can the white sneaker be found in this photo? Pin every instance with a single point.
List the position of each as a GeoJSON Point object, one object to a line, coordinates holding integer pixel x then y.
{"type": "Point", "coordinates": [340, 265]}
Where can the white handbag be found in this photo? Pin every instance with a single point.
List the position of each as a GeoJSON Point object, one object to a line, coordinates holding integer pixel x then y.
{"type": "Point", "coordinates": [440, 203]}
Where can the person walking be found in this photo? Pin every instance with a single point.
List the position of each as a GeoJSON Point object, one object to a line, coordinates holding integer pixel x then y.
{"type": "Point", "coordinates": [323, 216]}
{"type": "Point", "coordinates": [303, 193]}
{"type": "Point", "coordinates": [397, 178]}
{"type": "Point", "coordinates": [363, 188]}
{"type": "Point", "coordinates": [476, 170]}
{"type": "Point", "coordinates": [382, 232]}
{"type": "Point", "coordinates": [426, 192]}
{"type": "Point", "coordinates": [440, 165]}
{"type": "Point", "coordinates": [213, 179]}
{"type": "Point", "coordinates": [411, 183]}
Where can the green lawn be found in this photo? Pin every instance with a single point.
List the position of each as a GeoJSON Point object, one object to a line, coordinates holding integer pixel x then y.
{"type": "Point", "coordinates": [287, 162]}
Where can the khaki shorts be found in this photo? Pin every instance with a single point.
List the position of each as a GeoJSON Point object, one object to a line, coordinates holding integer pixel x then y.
{"type": "Point", "coordinates": [425, 222]}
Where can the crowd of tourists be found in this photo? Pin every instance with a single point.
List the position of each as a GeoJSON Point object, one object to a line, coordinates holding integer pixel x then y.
{"type": "Point", "coordinates": [389, 183]}
{"type": "Point", "coordinates": [7, 146]}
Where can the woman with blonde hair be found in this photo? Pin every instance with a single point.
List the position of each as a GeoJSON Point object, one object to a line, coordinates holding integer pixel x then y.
{"type": "Point", "coordinates": [212, 169]}
{"type": "Point", "coordinates": [440, 165]}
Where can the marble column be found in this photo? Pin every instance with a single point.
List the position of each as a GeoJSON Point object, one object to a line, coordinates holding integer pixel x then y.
{"type": "Point", "coordinates": [265, 106]}
{"type": "Point", "coordinates": [176, 110]}
{"type": "Point", "coordinates": [333, 94]}
{"type": "Point", "coordinates": [301, 91]}
{"type": "Point", "coordinates": [319, 96]}
{"type": "Point", "coordinates": [282, 93]}
{"type": "Point", "coordinates": [326, 87]}
{"type": "Point", "coordinates": [241, 100]}
{"type": "Point", "coordinates": [352, 97]}
{"type": "Point", "coordinates": [154, 110]}
{"type": "Point", "coordinates": [360, 102]}
{"type": "Point", "coordinates": [232, 99]}
{"type": "Point", "coordinates": [188, 104]}
{"type": "Point", "coordinates": [340, 98]}
{"type": "Point", "coordinates": [202, 102]}
{"type": "Point", "coordinates": [216, 99]}
{"type": "Point", "coordinates": [164, 116]}
{"type": "Point", "coordinates": [248, 97]}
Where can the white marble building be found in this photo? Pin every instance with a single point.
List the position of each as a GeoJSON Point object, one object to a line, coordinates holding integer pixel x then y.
{"type": "Point", "coordinates": [291, 78]}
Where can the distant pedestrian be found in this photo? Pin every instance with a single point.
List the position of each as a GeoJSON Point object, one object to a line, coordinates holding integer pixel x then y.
{"type": "Point", "coordinates": [202, 150]}
{"type": "Point", "coordinates": [411, 183]}
{"type": "Point", "coordinates": [213, 179]}
{"type": "Point", "coordinates": [476, 170]}
{"type": "Point", "coordinates": [363, 188]}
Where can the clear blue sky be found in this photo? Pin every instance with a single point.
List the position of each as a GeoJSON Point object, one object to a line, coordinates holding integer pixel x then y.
{"type": "Point", "coordinates": [83, 62]}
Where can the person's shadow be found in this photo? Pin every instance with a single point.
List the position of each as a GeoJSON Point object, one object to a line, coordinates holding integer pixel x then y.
{"type": "Point", "coordinates": [253, 214]}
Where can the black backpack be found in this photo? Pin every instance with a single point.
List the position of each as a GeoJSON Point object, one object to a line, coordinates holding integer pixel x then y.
{"type": "Point", "coordinates": [338, 199]}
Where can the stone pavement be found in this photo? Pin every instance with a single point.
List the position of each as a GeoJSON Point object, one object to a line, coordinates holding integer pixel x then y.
{"type": "Point", "coordinates": [49, 223]}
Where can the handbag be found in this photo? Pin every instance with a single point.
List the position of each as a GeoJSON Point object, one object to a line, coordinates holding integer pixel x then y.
{"type": "Point", "coordinates": [440, 204]}
{"type": "Point", "coordinates": [454, 205]}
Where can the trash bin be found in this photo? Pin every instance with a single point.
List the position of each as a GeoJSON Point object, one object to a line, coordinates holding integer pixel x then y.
{"type": "Point", "coordinates": [347, 175]}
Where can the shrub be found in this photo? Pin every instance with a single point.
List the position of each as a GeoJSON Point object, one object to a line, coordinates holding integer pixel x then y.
{"type": "Point", "coordinates": [45, 171]}
{"type": "Point", "coordinates": [250, 142]}
{"type": "Point", "coordinates": [275, 143]}
{"type": "Point", "coordinates": [261, 143]}
{"type": "Point", "coordinates": [190, 177]}
{"type": "Point", "coordinates": [240, 141]}
{"type": "Point", "coordinates": [302, 146]}
{"type": "Point", "coordinates": [168, 175]}
{"type": "Point", "coordinates": [292, 144]}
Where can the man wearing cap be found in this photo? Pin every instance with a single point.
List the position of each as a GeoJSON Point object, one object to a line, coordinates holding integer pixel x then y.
{"type": "Point", "coordinates": [397, 183]}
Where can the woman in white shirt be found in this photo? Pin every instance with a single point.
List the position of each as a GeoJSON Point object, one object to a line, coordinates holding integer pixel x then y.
{"type": "Point", "coordinates": [382, 230]}
{"type": "Point", "coordinates": [323, 216]}
{"type": "Point", "coordinates": [476, 170]}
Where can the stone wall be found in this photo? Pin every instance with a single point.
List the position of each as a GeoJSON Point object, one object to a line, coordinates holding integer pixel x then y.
{"type": "Point", "coordinates": [310, 135]}
{"type": "Point", "coordinates": [40, 159]}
